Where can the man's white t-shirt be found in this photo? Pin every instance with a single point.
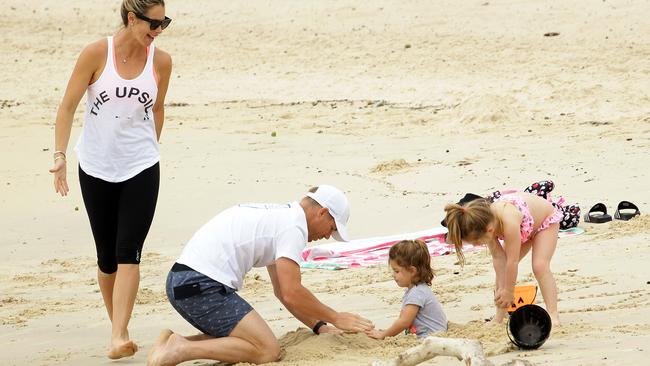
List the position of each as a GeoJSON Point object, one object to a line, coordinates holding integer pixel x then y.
{"type": "Point", "coordinates": [246, 236]}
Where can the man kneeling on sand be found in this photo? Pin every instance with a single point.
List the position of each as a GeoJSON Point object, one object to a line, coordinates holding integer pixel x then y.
{"type": "Point", "coordinates": [202, 285]}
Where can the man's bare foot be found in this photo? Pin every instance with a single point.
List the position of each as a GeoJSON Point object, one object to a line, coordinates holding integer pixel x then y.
{"type": "Point", "coordinates": [166, 350]}
{"type": "Point", "coordinates": [121, 349]}
{"type": "Point", "coordinates": [160, 341]}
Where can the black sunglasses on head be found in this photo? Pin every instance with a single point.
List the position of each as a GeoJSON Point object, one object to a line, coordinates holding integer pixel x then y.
{"type": "Point", "coordinates": [154, 23]}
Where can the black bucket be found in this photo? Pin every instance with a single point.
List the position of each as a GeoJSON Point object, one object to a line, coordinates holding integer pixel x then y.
{"type": "Point", "coordinates": [529, 327]}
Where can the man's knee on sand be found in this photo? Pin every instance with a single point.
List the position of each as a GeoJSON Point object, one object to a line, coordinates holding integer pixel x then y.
{"type": "Point", "coordinates": [269, 352]}
{"type": "Point", "coordinates": [255, 331]}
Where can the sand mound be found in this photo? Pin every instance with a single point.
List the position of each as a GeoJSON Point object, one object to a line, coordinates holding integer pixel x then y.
{"type": "Point", "coordinates": [391, 166]}
{"type": "Point", "coordinates": [302, 347]}
{"type": "Point", "coordinates": [488, 109]}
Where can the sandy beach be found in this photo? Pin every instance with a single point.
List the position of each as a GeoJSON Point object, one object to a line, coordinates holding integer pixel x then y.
{"type": "Point", "coordinates": [406, 105]}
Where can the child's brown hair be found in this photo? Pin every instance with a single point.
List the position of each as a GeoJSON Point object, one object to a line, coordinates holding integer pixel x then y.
{"type": "Point", "coordinates": [414, 253]}
{"type": "Point", "coordinates": [467, 222]}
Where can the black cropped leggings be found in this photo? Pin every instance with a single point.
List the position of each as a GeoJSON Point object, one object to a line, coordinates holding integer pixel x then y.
{"type": "Point", "coordinates": [120, 215]}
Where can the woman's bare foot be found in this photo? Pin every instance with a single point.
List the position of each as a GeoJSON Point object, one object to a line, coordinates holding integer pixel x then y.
{"type": "Point", "coordinates": [120, 349]}
{"type": "Point", "coordinates": [166, 350]}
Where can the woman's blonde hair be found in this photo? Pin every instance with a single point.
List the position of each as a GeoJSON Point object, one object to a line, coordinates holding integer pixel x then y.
{"type": "Point", "coordinates": [138, 7]}
{"type": "Point", "coordinates": [407, 253]}
{"type": "Point", "coordinates": [469, 222]}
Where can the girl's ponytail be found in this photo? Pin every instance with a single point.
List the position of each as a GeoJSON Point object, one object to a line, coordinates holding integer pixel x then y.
{"type": "Point", "coordinates": [453, 219]}
{"type": "Point", "coordinates": [469, 222]}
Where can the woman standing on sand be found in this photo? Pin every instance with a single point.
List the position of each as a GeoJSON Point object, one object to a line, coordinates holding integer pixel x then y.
{"type": "Point", "coordinates": [126, 80]}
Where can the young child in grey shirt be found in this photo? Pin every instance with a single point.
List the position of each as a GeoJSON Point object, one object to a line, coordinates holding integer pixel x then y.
{"type": "Point", "coordinates": [421, 312]}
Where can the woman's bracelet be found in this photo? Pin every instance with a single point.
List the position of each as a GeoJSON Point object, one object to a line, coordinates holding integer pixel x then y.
{"type": "Point", "coordinates": [62, 157]}
{"type": "Point", "coordinates": [59, 152]}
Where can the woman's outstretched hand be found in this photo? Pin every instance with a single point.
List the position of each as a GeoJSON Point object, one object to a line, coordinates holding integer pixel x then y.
{"type": "Point", "coordinates": [60, 180]}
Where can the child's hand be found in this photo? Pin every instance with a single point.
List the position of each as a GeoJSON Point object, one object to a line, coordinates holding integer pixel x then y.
{"type": "Point", "coordinates": [376, 334]}
{"type": "Point", "coordinates": [504, 298]}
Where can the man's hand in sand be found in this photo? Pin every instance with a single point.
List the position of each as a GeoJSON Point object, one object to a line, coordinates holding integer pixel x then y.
{"type": "Point", "coordinates": [329, 329]}
{"type": "Point", "coordinates": [352, 323]}
{"type": "Point", "coordinates": [60, 180]}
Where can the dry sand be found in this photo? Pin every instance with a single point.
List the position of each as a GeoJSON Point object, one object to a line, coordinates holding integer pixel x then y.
{"type": "Point", "coordinates": [404, 104]}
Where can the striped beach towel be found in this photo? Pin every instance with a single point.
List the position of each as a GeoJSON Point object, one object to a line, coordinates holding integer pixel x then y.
{"type": "Point", "coordinates": [372, 251]}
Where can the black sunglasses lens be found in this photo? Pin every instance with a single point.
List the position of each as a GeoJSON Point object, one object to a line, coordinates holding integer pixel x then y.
{"type": "Point", "coordinates": [165, 22]}
{"type": "Point", "coordinates": [154, 23]}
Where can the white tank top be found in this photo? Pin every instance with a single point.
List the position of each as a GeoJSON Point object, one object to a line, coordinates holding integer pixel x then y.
{"type": "Point", "coordinates": [118, 139]}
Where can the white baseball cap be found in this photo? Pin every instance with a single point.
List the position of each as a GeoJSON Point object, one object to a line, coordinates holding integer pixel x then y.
{"type": "Point", "coordinates": [335, 201]}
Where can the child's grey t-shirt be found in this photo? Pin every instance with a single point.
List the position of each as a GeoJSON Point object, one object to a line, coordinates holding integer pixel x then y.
{"type": "Point", "coordinates": [430, 318]}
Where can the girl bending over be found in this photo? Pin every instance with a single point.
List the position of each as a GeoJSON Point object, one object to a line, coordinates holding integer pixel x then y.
{"type": "Point", "coordinates": [523, 221]}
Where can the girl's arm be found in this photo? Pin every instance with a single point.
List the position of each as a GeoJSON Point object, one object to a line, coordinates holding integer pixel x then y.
{"type": "Point", "coordinates": [164, 70]}
{"type": "Point", "coordinates": [512, 242]}
{"type": "Point", "coordinates": [406, 317]}
{"type": "Point", "coordinates": [498, 262]}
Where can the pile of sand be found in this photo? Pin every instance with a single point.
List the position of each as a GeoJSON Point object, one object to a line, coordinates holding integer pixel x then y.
{"type": "Point", "coordinates": [391, 166]}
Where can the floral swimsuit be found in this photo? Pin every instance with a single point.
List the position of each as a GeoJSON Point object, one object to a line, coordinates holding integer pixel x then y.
{"type": "Point", "coordinates": [527, 224]}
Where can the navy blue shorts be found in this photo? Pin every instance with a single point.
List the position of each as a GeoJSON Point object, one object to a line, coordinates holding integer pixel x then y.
{"type": "Point", "coordinates": [211, 307]}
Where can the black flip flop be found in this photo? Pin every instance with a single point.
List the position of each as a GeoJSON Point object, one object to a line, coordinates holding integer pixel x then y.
{"type": "Point", "coordinates": [598, 214]}
{"type": "Point", "coordinates": [625, 205]}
